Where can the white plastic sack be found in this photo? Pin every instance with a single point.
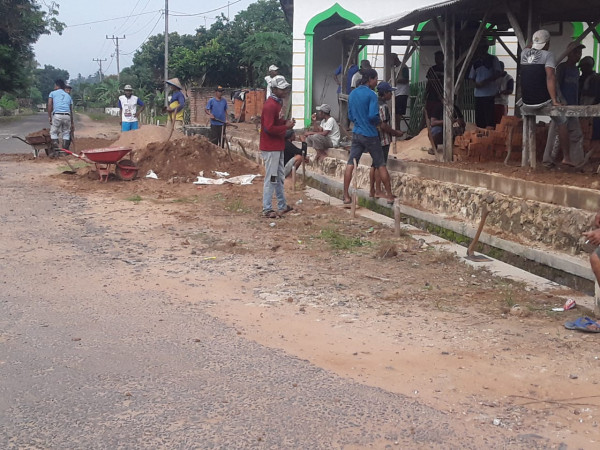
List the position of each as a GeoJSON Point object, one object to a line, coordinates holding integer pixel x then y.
{"type": "Point", "coordinates": [242, 180]}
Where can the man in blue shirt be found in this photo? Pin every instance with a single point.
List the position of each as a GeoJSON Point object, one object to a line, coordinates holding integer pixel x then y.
{"type": "Point", "coordinates": [363, 110]}
{"type": "Point", "coordinates": [60, 115]}
{"type": "Point", "coordinates": [216, 108]}
{"type": "Point", "coordinates": [485, 71]}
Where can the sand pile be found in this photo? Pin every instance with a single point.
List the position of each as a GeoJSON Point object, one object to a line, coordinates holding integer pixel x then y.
{"type": "Point", "coordinates": [187, 156]}
{"type": "Point", "coordinates": [414, 149]}
{"type": "Point", "coordinates": [139, 139]}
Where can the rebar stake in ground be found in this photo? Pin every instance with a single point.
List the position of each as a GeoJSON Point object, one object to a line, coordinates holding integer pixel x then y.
{"type": "Point", "coordinates": [485, 210]}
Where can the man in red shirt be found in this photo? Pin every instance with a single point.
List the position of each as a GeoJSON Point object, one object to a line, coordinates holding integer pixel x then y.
{"type": "Point", "coordinates": [272, 144]}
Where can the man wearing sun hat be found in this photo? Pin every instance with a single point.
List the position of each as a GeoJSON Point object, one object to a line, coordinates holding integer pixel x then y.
{"type": "Point", "coordinates": [273, 72]}
{"type": "Point", "coordinates": [128, 107]}
{"type": "Point", "coordinates": [272, 145]}
{"type": "Point", "coordinates": [216, 108]}
{"type": "Point", "coordinates": [177, 102]}
{"type": "Point", "coordinates": [538, 82]}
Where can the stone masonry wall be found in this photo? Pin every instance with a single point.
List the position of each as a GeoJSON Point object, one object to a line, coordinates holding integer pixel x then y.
{"type": "Point", "coordinates": [515, 219]}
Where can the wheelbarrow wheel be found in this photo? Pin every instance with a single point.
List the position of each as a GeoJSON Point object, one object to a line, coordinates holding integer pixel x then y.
{"type": "Point", "coordinates": [126, 170]}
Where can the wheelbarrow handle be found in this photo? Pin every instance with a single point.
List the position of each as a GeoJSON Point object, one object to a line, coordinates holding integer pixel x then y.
{"type": "Point", "coordinates": [229, 124]}
{"type": "Point", "coordinates": [19, 138]}
{"type": "Point", "coordinates": [80, 156]}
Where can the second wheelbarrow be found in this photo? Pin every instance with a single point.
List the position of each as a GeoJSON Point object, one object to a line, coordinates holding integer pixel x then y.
{"type": "Point", "coordinates": [104, 158]}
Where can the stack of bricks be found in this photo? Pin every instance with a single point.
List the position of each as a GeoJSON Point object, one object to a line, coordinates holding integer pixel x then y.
{"type": "Point", "coordinates": [254, 103]}
{"type": "Point", "coordinates": [482, 145]}
{"type": "Point", "coordinates": [198, 99]}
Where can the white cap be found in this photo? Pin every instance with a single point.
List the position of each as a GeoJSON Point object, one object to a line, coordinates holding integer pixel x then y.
{"type": "Point", "coordinates": [128, 88]}
{"type": "Point", "coordinates": [273, 67]}
{"type": "Point", "coordinates": [279, 82]}
{"type": "Point", "coordinates": [540, 39]}
{"type": "Point", "coordinates": [325, 108]}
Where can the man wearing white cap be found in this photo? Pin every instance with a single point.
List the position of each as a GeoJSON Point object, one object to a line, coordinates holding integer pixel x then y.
{"type": "Point", "coordinates": [273, 72]}
{"type": "Point", "coordinates": [326, 134]}
{"type": "Point", "coordinates": [272, 145]}
{"type": "Point", "coordinates": [538, 81]}
{"type": "Point", "coordinates": [128, 106]}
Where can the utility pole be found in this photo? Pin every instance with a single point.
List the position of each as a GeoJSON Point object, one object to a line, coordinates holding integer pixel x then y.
{"type": "Point", "coordinates": [166, 51]}
{"type": "Point", "coordinates": [99, 61]}
{"type": "Point", "coordinates": [116, 40]}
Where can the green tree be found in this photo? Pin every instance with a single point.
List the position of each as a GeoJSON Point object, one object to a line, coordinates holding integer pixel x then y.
{"type": "Point", "coordinates": [230, 52]}
{"type": "Point", "coordinates": [262, 49]}
{"type": "Point", "coordinates": [45, 78]}
{"type": "Point", "coordinates": [22, 22]}
{"type": "Point", "coordinates": [107, 93]}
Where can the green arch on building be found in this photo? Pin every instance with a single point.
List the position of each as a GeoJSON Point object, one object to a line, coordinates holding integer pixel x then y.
{"type": "Point", "coordinates": [309, 34]}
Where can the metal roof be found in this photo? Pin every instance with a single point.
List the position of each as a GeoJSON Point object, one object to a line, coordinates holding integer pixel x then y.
{"type": "Point", "coordinates": [544, 11]}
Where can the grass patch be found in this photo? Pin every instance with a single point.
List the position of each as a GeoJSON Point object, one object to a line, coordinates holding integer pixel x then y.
{"type": "Point", "coordinates": [236, 206]}
{"type": "Point", "coordinates": [340, 242]}
{"type": "Point", "coordinates": [193, 199]}
{"type": "Point", "coordinates": [134, 198]}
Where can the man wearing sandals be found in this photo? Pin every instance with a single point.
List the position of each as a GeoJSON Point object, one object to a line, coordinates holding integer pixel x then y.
{"type": "Point", "coordinates": [363, 110]}
{"type": "Point", "coordinates": [272, 144]}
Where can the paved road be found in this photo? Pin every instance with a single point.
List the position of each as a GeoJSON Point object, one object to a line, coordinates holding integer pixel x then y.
{"type": "Point", "coordinates": [20, 126]}
{"type": "Point", "coordinates": [95, 355]}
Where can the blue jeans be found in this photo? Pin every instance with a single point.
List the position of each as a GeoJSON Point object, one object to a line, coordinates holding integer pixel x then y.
{"type": "Point", "coordinates": [273, 180]}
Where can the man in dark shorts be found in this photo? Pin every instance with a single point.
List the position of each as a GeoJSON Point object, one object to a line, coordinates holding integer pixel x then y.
{"type": "Point", "coordinates": [292, 155]}
{"type": "Point", "coordinates": [386, 132]}
{"type": "Point", "coordinates": [363, 111]}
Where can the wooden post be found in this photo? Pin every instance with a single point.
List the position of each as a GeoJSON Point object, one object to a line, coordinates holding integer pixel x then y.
{"type": "Point", "coordinates": [514, 23]}
{"type": "Point", "coordinates": [473, 47]}
{"type": "Point", "coordinates": [397, 228]}
{"type": "Point", "coordinates": [293, 178]}
{"type": "Point", "coordinates": [354, 195]}
{"type": "Point", "coordinates": [528, 157]}
{"type": "Point", "coordinates": [388, 74]}
{"type": "Point", "coordinates": [448, 85]}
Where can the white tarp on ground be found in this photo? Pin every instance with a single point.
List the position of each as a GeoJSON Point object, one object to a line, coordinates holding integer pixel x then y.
{"type": "Point", "coordinates": [240, 179]}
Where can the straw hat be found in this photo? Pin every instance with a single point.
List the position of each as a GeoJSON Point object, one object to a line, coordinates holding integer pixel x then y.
{"type": "Point", "coordinates": [175, 82]}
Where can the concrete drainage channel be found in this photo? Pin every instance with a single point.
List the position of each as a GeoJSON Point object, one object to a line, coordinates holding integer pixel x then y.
{"type": "Point", "coordinates": [559, 268]}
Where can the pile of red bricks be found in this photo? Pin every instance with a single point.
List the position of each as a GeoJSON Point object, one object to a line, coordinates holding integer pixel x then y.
{"type": "Point", "coordinates": [494, 144]}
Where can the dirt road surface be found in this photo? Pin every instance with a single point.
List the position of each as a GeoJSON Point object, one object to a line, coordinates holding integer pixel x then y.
{"type": "Point", "coordinates": [157, 315]}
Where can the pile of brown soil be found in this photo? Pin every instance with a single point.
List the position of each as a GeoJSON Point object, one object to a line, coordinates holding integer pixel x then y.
{"type": "Point", "coordinates": [42, 132]}
{"type": "Point", "coordinates": [139, 139]}
{"type": "Point", "coordinates": [187, 156]}
{"type": "Point", "coordinates": [90, 143]}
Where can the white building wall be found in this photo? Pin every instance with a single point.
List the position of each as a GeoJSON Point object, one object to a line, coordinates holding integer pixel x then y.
{"type": "Point", "coordinates": [304, 11]}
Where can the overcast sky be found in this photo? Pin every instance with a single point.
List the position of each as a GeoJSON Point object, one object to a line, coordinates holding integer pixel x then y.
{"type": "Point", "coordinates": [83, 41]}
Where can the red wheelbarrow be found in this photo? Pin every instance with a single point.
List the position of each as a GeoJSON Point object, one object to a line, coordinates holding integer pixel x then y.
{"type": "Point", "coordinates": [104, 158]}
